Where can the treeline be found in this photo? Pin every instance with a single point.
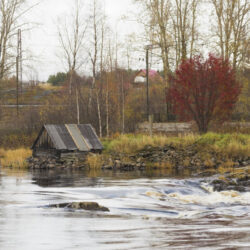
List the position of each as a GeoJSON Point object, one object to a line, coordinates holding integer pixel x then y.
{"type": "Point", "coordinates": [115, 105]}
{"type": "Point", "coordinates": [106, 96]}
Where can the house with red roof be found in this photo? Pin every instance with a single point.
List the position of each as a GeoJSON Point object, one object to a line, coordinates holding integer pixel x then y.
{"type": "Point", "coordinates": [140, 78]}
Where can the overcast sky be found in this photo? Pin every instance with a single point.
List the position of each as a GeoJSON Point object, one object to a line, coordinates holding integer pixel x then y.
{"type": "Point", "coordinates": [42, 41]}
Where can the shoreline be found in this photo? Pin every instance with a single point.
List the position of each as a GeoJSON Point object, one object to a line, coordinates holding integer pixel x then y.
{"type": "Point", "coordinates": [227, 155]}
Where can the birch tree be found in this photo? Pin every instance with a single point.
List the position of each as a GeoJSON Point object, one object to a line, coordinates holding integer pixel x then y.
{"type": "Point", "coordinates": [185, 28]}
{"type": "Point", "coordinates": [71, 33]}
{"type": "Point", "coordinates": [231, 28]}
{"type": "Point", "coordinates": [171, 25]}
{"type": "Point", "coordinates": [97, 32]}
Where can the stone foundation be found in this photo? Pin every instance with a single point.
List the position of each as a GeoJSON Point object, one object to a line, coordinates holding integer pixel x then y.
{"type": "Point", "coordinates": [50, 162]}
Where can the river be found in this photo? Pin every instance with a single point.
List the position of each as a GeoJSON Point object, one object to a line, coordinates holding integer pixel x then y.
{"type": "Point", "coordinates": [146, 212]}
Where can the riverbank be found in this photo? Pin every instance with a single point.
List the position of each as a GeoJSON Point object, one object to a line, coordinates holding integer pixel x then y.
{"type": "Point", "coordinates": [225, 155]}
{"type": "Point", "coordinates": [212, 152]}
{"type": "Point", "coordinates": [209, 151]}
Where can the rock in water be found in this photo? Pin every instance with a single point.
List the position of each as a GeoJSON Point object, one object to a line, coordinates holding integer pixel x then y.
{"type": "Point", "coordinates": [92, 206]}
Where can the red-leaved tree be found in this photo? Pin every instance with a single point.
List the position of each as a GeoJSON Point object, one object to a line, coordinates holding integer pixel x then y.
{"type": "Point", "coordinates": [204, 90]}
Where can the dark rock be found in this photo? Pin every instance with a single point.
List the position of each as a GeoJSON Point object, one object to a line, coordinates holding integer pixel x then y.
{"type": "Point", "coordinates": [236, 188]}
{"type": "Point", "coordinates": [108, 167]}
{"type": "Point", "coordinates": [245, 178]}
{"type": "Point", "coordinates": [219, 187]}
{"type": "Point", "coordinates": [245, 183]}
{"type": "Point", "coordinates": [220, 182]}
{"type": "Point", "coordinates": [204, 174]}
{"type": "Point", "coordinates": [92, 206]}
{"type": "Point", "coordinates": [230, 184]}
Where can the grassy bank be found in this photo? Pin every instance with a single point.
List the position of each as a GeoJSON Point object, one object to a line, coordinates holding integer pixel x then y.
{"type": "Point", "coordinates": [14, 158]}
{"type": "Point", "coordinates": [229, 144]}
{"type": "Point", "coordinates": [226, 146]}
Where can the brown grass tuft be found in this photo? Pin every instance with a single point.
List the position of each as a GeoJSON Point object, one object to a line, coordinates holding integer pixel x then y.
{"type": "Point", "coordinates": [15, 158]}
{"type": "Point", "coordinates": [95, 161]}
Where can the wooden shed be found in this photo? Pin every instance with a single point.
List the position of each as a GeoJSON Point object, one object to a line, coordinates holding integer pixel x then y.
{"type": "Point", "coordinates": [68, 139]}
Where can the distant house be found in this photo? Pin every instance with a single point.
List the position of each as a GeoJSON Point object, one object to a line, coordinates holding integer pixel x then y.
{"type": "Point", "coordinates": [140, 77]}
{"type": "Point", "coordinates": [66, 140]}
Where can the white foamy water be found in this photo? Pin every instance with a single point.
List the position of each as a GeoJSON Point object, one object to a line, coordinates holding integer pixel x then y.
{"type": "Point", "coordinates": [154, 213]}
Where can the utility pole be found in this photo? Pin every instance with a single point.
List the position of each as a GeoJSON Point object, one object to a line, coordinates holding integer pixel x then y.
{"type": "Point", "coordinates": [147, 79]}
{"type": "Point", "coordinates": [149, 116]}
{"type": "Point", "coordinates": [18, 68]}
{"type": "Point", "coordinates": [123, 106]}
{"type": "Point", "coordinates": [20, 58]}
{"type": "Point", "coordinates": [17, 86]}
{"type": "Point", "coordinates": [77, 107]}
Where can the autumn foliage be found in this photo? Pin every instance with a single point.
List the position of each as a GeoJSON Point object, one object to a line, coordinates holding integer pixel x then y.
{"type": "Point", "coordinates": [204, 90]}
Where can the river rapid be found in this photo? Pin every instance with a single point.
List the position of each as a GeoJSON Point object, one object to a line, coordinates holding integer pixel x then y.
{"type": "Point", "coordinates": [146, 212]}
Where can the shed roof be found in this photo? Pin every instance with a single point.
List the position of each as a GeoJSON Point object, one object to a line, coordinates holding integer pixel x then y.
{"type": "Point", "coordinates": [72, 137]}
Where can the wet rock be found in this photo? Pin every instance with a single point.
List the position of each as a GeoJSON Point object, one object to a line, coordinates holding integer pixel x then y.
{"type": "Point", "coordinates": [138, 160]}
{"type": "Point", "coordinates": [218, 182]}
{"type": "Point", "coordinates": [108, 167]}
{"type": "Point", "coordinates": [92, 206]}
{"type": "Point", "coordinates": [117, 163]}
{"type": "Point", "coordinates": [219, 187]}
{"type": "Point", "coordinates": [204, 174]}
{"type": "Point", "coordinates": [236, 188]}
{"type": "Point", "coordinates": [245, 183]}
{"type": "Point", "coordinates": [245, 178]}
{"type": "Point", "coordinates": [230, 184]}
{"type": "Point", "coordinates": [128, 167]}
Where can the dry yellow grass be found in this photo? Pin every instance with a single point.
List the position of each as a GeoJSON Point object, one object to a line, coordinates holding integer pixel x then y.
{"type": "Point", "coordinates": [227, 166]}
{"type": "Point", "coordinates": [14, 158]}
{"type": "Point", "coordinates": [95, 161]}
{"type": "Point", "coordinates": [48, 86]}
{"type": "Point", "coordinates": [237, 149]}
{"type": "Point", "coordinates": [228, 144]}
{"type": "Point", "coordinates": [186, 162]}
{"type": "Point", "coordinates": [133, 143]}
{"type": "Point", "coordinates": [209, 163]}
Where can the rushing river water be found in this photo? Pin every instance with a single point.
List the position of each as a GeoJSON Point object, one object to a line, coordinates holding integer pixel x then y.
{"type": "Point", "coordinates": [145, 213]}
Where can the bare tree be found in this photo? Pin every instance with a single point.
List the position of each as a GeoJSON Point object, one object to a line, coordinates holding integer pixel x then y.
{"type": "Point", "coordinates": [99, 90]}
{"type": "Point", "coordinates": [184, 25]}
{"type": "Point", "coordinates": [172, 26]}
{"type": "Point", "coordinates": [11, 13]}
{"type": "Point", "coordinates": [71, 32]}
{"type": "Point", "coordinates": [232, 18]}
{"type": "Point", "coordinates": [97, 30]}
{"type": "Point", "coordinates": [156, 21]}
